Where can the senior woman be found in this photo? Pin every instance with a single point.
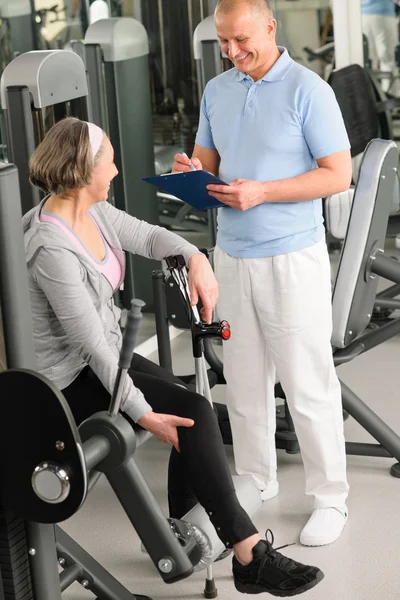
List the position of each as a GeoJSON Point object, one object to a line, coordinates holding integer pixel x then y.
{"type": "Point", "coordinates": [75, 242]}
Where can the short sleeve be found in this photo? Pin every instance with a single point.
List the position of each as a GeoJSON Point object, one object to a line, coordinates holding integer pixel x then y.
{"type": "Point", "coordinates": [323, 126]}
{"type": "Point", "coordinates": [204, 136]}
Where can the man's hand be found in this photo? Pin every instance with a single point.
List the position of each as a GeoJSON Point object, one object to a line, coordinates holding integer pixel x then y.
{"type": "Point", "coordinates": [182, 164]}
{"type": "Point", "coordinates": [241, 194]}
{"type": "Point", "coordinates": [164, 427]}
{"type": "Point", "coordinates": [202, 283]}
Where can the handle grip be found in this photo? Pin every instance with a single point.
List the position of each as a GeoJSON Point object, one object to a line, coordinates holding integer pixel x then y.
{"type": "Point", "coordinates": [130, 333]}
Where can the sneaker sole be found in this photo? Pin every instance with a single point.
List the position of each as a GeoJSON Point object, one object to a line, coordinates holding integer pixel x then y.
{"type": "Point", "coordinates": [257, 589]}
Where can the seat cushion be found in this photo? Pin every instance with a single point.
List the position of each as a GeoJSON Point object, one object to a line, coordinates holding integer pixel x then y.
{"type": "Point", "coordinates": [337, 213]}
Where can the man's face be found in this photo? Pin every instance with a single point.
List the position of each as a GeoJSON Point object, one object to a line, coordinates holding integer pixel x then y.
{"type": "Point", "coordinates": [247, 37]}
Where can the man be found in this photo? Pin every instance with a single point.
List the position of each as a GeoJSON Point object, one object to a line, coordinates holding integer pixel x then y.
{"type": "Point", "coordinates": [273, 130]}
{"type": "Point", "coordinates": [379, 23]}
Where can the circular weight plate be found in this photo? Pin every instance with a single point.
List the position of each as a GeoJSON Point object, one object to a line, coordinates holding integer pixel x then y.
{"type": "Point", "coordinates": [36, 427]}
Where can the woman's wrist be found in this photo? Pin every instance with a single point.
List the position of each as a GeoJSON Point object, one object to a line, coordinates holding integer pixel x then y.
{"type": "Point", "coordinates": [193, 258]}
{"type": "Point", "coordinates": [146, 419]}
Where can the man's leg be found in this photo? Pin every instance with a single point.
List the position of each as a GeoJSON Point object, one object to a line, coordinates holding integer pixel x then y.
{"type": "Point", "coordinates": [296, 315]}
{"type": "Point", "coordinates": [250, 377]}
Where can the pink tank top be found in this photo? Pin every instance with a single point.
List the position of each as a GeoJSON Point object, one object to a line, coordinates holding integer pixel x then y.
{"type": "Point", "coordinates": [110, 267]}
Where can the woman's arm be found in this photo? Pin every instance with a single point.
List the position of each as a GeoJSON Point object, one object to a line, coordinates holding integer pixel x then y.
{"type": "Point", "coordinates": [151, 241]}
{"type": "Point", "coordinates": [57, 272]}
{"type": "Point", "coordinates": [139, 237]}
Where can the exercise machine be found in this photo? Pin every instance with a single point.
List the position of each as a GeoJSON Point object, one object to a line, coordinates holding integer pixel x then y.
{"type": "Point", "coordinates": [42, 87]}
{"type": "Point", "coordinates": [38, 89]}
{"type": "Point", "coordinates": [362, 261]}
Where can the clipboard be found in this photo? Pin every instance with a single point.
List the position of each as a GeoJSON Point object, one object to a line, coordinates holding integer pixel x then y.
{"type": "Point", "coordinates": [189, 187]}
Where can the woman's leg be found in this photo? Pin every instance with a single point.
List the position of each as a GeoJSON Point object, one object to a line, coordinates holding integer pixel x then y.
{"type": "Point", "coordinates": [202, 460]}
{"type": "Point", "coordinates": [86, 396]}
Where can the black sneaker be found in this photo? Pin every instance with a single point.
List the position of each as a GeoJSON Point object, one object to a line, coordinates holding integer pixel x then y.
{"type": "Point", "coordinates": [271, 572]}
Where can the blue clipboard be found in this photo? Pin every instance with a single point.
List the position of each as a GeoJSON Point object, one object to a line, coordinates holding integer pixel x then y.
{"type": "Point", "coordinates": [189, 187]}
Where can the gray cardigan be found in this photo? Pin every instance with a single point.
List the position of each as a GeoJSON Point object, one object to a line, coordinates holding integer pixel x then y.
{"type": "Point", "coordinates": [75, 321]}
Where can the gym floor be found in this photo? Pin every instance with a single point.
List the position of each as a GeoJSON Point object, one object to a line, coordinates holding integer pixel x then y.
{"type": "Point", "coordinates": [362, 565]}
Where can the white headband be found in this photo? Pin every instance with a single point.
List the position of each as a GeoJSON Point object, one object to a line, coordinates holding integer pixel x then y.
{"type": "Point", "coordinates": [95, 136]}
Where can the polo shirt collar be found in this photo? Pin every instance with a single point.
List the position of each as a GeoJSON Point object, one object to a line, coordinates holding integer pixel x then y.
{"type": "Point", "coordinates": [277, 72]}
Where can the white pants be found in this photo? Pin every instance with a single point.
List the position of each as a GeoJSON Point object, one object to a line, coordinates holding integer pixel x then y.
{"type": "Point", "coordinates": [279, 309]}
{"type": "Point", "coordinates": [383, 36]}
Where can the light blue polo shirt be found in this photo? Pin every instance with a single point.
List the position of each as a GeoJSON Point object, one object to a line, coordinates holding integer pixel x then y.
{"type": "Point", "coordinates": [378, 7]}
{"type": "Point", "coordinates": [271, 129]}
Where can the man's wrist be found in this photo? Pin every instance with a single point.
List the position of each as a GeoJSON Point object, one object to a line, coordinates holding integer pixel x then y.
{"type": "Point", "coordinates": [266, 191]}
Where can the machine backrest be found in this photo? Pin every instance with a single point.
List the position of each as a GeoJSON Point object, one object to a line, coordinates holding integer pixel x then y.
{"type": "Point", "coordinates": [355, 96]}
{"type": "Point", "coordinates": [354, 290]}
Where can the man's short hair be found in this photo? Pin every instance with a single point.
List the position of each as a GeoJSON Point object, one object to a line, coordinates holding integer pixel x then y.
{"type": "Point", "coordinates": [228, 6]}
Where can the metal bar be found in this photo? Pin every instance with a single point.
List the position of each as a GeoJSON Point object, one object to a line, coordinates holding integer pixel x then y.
{"type": "Point", "coordinates": [162, 324]}
{"type": "Point", "coordinates": [370, 421]}
{"type": "Point", "coordinates": [191, 31]}
{"type": "Point", "coordinates": [149, 521]}
{"type": "Point", "coordinates": [70, 575]}
{"type": "Point", "coordinates": [206, 383]}
{"type": "Point", "coordinates": [94, 68]}
{"type": "Point", "coordinates": [162, 45]}
{"type": "Point", "coordinates": [21, 141]}
{"type": "Point", "coordinates": [2, 597]}
{"type": "Point", "coordinates": [116, 398]}
{"type": "Point", "coordinates": [361, 449]}
{"type": "Point", "coordinates": [95, 449]}
{"type": "Point", "coordinates": [386, 267]}
{"type": "Point", "coordinates": [99, 581]}
{"type": "Point", "coordinates": [14, 288]}
{"type": "Point", "coordinates": [375, 337]}
{"type": "Point", "coordinates": [390, 292]}
{"type": "Point", "coordinates": [387, 303]}
{"type": "Point", "coordinates": [43, 561]}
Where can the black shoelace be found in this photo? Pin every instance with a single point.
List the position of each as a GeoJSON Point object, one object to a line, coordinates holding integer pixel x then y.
{"type": "Point", "coordinates": [274, 557]}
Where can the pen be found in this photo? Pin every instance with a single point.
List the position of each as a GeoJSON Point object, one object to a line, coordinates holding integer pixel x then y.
{"type": "Point", "coordinates": [191, 164]}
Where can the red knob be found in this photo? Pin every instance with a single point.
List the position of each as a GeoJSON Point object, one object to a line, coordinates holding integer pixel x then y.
{"type": "Point", "coordinates": [226, 333]}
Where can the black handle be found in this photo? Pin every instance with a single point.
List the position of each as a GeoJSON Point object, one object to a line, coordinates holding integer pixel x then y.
{"type": "Point", "coordinates": [130, 333]}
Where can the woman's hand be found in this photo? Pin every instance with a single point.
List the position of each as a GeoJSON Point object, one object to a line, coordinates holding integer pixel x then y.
{"type": "Point", "coordinates": [202, 283]}
{"type": "Point", "coordinates": [164, 427]}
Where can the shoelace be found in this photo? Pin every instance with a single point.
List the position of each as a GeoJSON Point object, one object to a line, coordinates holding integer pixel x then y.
{"type": "Point", "coordinates": [273, 556]}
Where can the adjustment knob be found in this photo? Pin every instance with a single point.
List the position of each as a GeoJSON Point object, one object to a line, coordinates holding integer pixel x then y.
{"type": "Point", "coordinates": [51, 483]}
{"type": "Point", "coordinates": [226, 333]}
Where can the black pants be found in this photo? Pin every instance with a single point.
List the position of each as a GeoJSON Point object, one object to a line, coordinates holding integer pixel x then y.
{"type": "Point", "coordinates": [200, 472]}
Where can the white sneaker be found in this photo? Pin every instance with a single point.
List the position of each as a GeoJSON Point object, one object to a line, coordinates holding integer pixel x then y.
{"type": "Point", "coordinates": [270, 491]}
{"type": "Point", "coordinates": [324, 526]}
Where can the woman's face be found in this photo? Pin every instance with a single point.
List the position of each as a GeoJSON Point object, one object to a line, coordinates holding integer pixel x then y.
{"type": "Point", "coordinates": [103, 173]}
